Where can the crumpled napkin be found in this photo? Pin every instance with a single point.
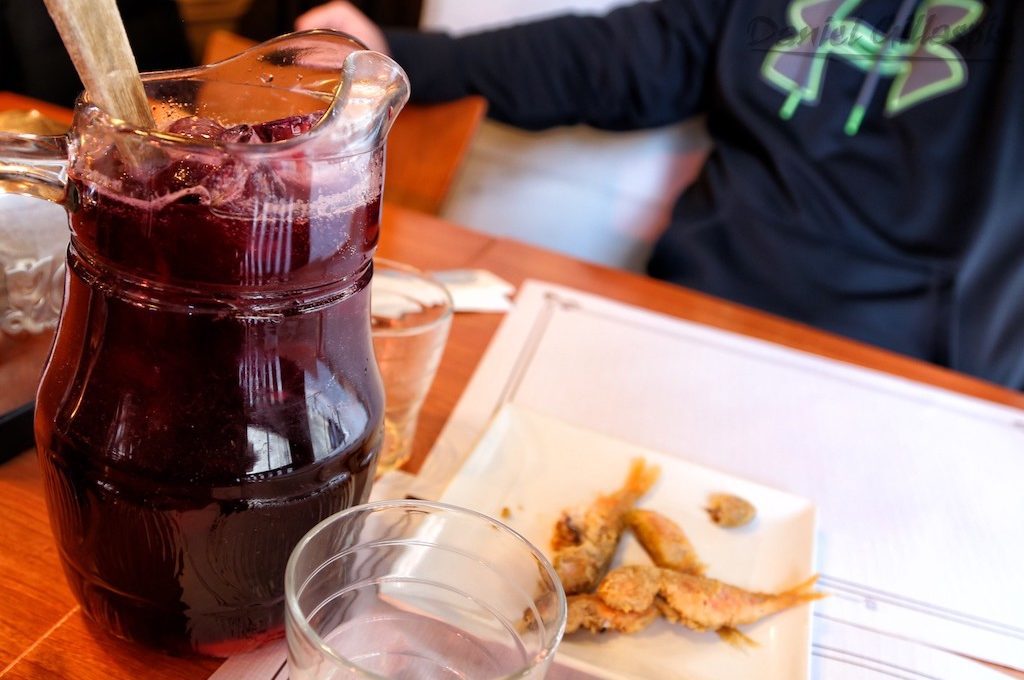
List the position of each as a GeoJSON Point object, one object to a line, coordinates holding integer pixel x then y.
{"type": "Point", "coordinates": [477, 290]}
{"type": "Point", "coordinates": [472, 290]}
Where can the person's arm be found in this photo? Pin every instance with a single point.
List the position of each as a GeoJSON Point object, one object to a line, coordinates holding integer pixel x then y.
{"type": "Point", "coordinates": [639, 66]}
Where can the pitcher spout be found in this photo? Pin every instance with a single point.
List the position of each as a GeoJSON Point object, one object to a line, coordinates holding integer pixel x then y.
{"type": "Point", "coordinates": [373, 90]}
{"type": "Point", "coordinates": [360, 92]}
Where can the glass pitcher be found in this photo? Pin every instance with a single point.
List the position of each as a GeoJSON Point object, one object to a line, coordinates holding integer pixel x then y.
{"type": "Point", "coordinates": [211, 393]}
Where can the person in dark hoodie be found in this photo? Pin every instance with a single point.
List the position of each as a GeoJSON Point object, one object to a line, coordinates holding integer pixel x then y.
{"type": "Point", "coordinates": [868, 169]}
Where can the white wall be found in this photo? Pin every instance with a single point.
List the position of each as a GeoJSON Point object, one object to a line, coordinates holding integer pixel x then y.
{"type": "Point", "coordinates": [600, 196]}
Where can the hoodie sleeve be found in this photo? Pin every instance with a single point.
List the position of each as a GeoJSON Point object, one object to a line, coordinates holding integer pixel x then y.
{"type": "Point", "coordinates": [639, 66]}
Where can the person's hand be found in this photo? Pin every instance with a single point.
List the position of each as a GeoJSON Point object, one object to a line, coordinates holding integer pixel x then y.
{"type": "Point", "coordinates": [343, 16]}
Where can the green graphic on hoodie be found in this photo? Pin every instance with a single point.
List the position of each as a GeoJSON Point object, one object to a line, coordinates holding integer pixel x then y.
{"type": "Point", "coordinates": [922, 65]}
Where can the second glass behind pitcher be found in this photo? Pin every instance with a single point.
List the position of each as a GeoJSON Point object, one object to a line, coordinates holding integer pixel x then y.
{"type": "Point", "coordinates": [212, 392]}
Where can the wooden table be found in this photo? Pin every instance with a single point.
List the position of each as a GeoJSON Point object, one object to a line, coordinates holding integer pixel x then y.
{"type": "Point", "coordinates": [42, 632]}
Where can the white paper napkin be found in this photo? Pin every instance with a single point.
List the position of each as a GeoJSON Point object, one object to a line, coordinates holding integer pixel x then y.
{"type": "Point", "coordinates": [477, 290]}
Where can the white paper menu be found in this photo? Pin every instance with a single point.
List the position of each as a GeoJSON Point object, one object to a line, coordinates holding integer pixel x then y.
{"type": "Point", "coordinates": [920, 491]}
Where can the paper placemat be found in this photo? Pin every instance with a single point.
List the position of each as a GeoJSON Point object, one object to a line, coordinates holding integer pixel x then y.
{"type": "Point", "coordinates": [918, 488]}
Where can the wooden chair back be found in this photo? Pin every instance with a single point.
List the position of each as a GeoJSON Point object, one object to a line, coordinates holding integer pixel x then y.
{"type": "Point", "coordinates": [426, 146]}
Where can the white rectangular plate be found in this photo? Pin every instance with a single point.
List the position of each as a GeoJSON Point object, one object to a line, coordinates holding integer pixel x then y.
{"type": "Point", "coordinates": [528, 467]}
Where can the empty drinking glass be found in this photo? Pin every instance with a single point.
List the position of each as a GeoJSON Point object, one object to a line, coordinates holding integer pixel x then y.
{"type": "Point", "coordinates": [411, 314]}
{"type": "Point", "coordinates": [414, 589]}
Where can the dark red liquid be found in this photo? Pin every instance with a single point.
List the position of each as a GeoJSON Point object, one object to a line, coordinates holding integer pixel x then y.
{"type": "Point", "coordinates": [211, 395]}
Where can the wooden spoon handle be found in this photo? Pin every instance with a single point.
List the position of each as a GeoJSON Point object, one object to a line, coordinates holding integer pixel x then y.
{"type": "Point", "coordinates": [94, 36]}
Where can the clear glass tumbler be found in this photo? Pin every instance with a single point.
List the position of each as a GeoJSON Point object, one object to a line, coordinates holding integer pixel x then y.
{"type": "Point", "coordinates": [414, 589]}
{"type": "Point", "coordinates": [411, 314]}
{"type": "Point", "coordinates": [33, 240]}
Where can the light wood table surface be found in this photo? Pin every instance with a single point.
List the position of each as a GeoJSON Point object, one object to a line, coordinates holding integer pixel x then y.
{"type": "Point", "coordinates": [43, 634]}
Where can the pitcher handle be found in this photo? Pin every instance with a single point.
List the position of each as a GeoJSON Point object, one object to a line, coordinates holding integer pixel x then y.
{"type": "Point", "coordinates": [34, 165]}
